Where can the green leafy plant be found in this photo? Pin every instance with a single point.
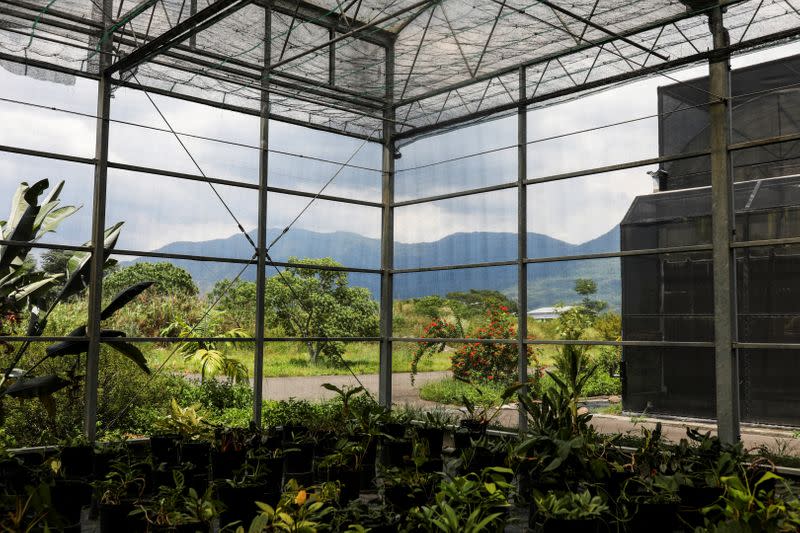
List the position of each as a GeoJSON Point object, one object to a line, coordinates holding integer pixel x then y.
{"type": "Point", "coordinates": [753, 506]}
{"type": "Point", "coordinates": [472, 503]}
{"type": "Point", "coordinates": [571, 506]}
{"type": "Point", "coordinates": [299, 510]}
{"type": "Point", "coordinates": [210, 354]}
{"type": "Point", "coordinates": [185, 421]}
{"type": "Point", "coordinates": [174, 506]}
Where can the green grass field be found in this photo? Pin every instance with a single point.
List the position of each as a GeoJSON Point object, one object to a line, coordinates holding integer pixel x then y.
{"type": "Point", "coordinates": [291, 359]}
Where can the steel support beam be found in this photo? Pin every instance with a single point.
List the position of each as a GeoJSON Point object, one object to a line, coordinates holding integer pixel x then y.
{"type": "Point", "coordinates": [387, 239]}
{"type": "Point", "coordinates": [180, 32]}
{"type": "Point", "coordinates": [341, 23]}
{"type": "Point", "coordinates": [722, 220]}
{"type": "Point", "coordinates": [98, 233]}
{"type": "Point", "coordinates": [261, 242]}
{"type": "Point", "coordinates": [353, 34]}
{"type": "Point", "coordinates": [522, 242]}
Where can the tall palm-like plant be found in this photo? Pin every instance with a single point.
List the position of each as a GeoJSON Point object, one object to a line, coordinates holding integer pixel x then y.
{"type": "Point", "coordinates": [30, 221]}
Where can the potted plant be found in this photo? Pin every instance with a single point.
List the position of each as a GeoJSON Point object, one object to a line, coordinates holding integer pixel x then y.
{"type": "Point", "coordinates": [343, 466]}
{"type": "Point", "coordinates": [652, 502]}
{"type": "Point", "coordinates": [404, 488]}
{"type": "Point", "coordinates": [578, 512]}
{"type": "Point", "coordinates": [432, 429]}
{"type": "Point", "coordinates": [117, 494]}
{"type": "Point", "coordinates": [258, 480]}
{"type": "Point", "coordinates": [174, 508]}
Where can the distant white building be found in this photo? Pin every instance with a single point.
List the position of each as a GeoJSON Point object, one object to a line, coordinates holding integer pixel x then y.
{"type": "Point", "coordinates": [548, 313]}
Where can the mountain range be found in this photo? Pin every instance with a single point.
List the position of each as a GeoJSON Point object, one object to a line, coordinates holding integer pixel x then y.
{"type": "Point", "coordinates": [548, 283]}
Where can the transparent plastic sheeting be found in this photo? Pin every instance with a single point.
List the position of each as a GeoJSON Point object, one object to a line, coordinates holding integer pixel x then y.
{"type": "Point", "coordinates": [451, 59]}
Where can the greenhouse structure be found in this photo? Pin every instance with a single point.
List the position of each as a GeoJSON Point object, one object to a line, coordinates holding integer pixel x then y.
{"type": "Point", "coordinates": [263, 202]}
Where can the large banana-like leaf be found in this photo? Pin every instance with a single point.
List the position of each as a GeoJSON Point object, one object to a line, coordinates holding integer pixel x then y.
{"type": "Point", "coordinates": [20, 224]}
{"type": "Point", "coordinates": [79, 265]}
{"type": "Point", "coordinates": [36, 387]}
{"type": "Point", "coordinates": [132, 352]}
{"type": "Point", "coordinates": [124, 298]}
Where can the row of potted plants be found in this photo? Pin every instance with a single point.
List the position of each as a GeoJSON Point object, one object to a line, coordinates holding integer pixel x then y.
{"type": "Point", "coordinates": [430, 473]}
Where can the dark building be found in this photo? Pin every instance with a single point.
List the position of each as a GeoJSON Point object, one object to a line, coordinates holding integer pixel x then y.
{"type": "Point", "coordinates": [669, 297]}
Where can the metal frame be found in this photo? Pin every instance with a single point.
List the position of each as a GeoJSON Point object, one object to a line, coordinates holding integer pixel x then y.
{"type": "Point", "coordinates": [261, 241]}
{"type": "Point", "coordinates": [723, 227]}
{"type": "Point", "coordinates": [98, 231]}
{"type": "Point", "coordinates": [387, 239]}
{"type": "Point", "coordinates": [341, 27]}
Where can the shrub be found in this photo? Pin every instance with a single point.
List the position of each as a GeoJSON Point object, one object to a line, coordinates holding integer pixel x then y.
{"type": "Point", "coordinates": [170, 279]}
{"type": "Point", "coordinates": [487, 362]}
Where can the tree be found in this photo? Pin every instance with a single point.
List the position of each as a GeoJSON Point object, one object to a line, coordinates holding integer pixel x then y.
{"type": "Point", "coordinates": [55, 261]}
{"type": "Point", "coordinates": [587, 288]}
{"type": "Point", "coordinates": [170, 280]}
{"type": "Point", "coordinates": [238, 302]}
{"type": "Point", "coordinates": [311, 302]}
{"type": "Point", "coordinates": [479, 302]}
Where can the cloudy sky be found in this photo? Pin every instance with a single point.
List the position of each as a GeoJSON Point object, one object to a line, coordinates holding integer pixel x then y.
{"type": "Point", "coordinates": [159, 210]}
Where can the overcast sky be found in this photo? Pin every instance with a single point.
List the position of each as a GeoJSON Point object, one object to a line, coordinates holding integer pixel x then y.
{"type": "Point", "coordinates": [159, 210]}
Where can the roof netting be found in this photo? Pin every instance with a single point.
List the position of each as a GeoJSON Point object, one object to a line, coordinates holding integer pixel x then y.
{"type": "Point", "coordinates": [453, 60]}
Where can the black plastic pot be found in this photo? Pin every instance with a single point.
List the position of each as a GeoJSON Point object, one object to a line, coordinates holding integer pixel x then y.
{"type": "Point", "coordinates": [291, 432]}
{"type": "Point", "coordinates": [394, 430]}
{"type": "Point", "coordinates": [274, 479]}
{"type": "Point", "coordinates": [349, 483]}
{"type": "Point", "coordinates": [298, 457]}
{"type": "Point", "coordinates": [434, 439]}
{"type": "Point", "coordinates": [69, 497]}
{"type": "Point", "coordinates": [368, 476]}
{"type": "Point", "coordinates": [304, 479]}
{"type": "Point", "coordinates": [225, 464]}
{"type": "Point", "coordinates": [196, 452]}
{"type": "Point", "coordinates": [394, 452]}
{"type": "Point", "coordinates": [463, 436]}
{"type": "Point", "coordinates": [655, 517]}
{"type": "Point", "coordinates": [77, 461]}
{"type": "Point", "coordinates": [693, 499]}
{"type": "Point", "coordinates": [240, 502]}
{"type": "Point", "coordinates": [403, 497]}
{"type": "Point", "coordinates": [115, 519]}
{"type": "Point", "coordinates": [14, 476]}
{"type": "Point", "coordinates": [164, 449]}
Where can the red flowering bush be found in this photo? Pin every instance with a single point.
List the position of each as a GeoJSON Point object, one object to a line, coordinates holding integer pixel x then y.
{"type": "Point", "coordinates": [488, 362]}
{"type": "Point", "coordinates": [477, 362]}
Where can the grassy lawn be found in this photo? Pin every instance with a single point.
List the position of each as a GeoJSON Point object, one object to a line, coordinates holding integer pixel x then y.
{"type": "Point", "coordinates": [291, 359]}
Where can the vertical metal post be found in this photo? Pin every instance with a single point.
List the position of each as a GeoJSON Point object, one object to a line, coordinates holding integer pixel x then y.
{"type": "Point", "coordinates": [193, 12]}
{"type": "Point", "coordinates": [387, 236]}
{"type": "Point", "coordinates": [522, 241]}
{"type": "Point", "coordinates": [263, 181]}
{"type": "Point", "coordinates": [98, 230]}
{"type": "Point", "coordinates": [332, 58]}
{"type": "Point", "coordinates": [722, 219]}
